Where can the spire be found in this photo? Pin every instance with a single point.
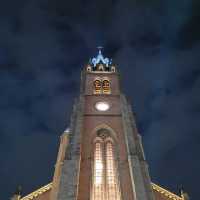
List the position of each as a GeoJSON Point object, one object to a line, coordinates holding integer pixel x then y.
{"type": "Point", "coordinates": [17, 194]}
{"type": "Point", "coordinates": [100, 59]}
{"type": "Point", "coordinates": [99, 47]}
{"type": "Point", "coordinates": [184, 195]}
{"type": "Point", "coordinates": [67, 130]}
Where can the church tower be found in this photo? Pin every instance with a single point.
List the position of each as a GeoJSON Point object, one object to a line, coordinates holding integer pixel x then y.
{"type": "Point", "coordinates": [101, 155]}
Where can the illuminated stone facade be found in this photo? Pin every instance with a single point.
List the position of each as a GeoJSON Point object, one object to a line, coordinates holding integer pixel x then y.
{"type": "Point", "coordinates": [101, 155]}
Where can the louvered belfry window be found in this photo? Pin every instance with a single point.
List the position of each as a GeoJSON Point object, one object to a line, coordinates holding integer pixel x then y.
{"type": "Point", "coordinates": [105, 180]}
{"type": "Point", "coordinates": [101, 86]}
{"type": "Point", "coordinates": [97, 86]}
{"type": "Point", "coordinates": [106, 86]}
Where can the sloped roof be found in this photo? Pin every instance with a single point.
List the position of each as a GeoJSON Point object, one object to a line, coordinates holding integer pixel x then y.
{"type": "Point", "coordinates": [160, 193]}
{"type": "Point", "coordinates": [37, 192]}
{"type": "Point", "coordinates": [163, 194]}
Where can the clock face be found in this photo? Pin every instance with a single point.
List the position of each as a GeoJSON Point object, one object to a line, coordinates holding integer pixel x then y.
{"type": "Point", "coordinates": [102, 106]}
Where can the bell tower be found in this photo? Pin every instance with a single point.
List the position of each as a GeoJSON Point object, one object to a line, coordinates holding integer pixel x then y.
{"type": "Point", "coordinates": [101, 155]}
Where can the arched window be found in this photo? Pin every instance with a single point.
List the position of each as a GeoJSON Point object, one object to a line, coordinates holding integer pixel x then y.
{"type": "Point", "coordinates": [112, 182]}
{"type": "Point", "coordinates": [105, 180]}
{"type": "Point", "coordinates": [100, 67]}
{"type": "Point", "coordinates": [97, 86]}
{"type": "Point", "coordinates": [98, 177]}
{"type": "Point", "coordinates": [101, 86]}
{"type": "Point", "coordinates": [106, 86]}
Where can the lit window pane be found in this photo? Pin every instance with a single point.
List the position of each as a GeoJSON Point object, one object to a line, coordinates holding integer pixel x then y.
{"type": "Point", "coordinates": [112, 185]}
{"type": "Point", "coordinates": [98, 185]}
{"type": "Point", "coordinates": [105, 177]}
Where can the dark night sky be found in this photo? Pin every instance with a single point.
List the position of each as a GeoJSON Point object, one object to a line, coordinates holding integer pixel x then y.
{"type": "Point", "coordinates": [43, 46]}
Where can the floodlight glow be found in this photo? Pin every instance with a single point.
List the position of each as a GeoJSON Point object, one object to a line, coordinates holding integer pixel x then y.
{"type": "Point", "coordinates": [102, 106]}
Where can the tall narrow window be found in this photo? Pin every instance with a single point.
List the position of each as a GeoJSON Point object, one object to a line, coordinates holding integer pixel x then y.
{"type": "Point", "coordinates": [106, 86]}
{"type": "Point", "coordinates": [105, 184]}
{"type": "Point", "coordinates": [97, 86]}
{"type": "Point", "coordinates": [98, 182]}
{"type": "Point", "coordinates": [112, 184]}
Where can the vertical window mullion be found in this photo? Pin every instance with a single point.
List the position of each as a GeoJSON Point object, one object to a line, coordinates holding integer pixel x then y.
{"type": "Point", "coordinates": [98, 180]}
{"type": "Point", "coordinates": [112, 184]}
{"type": "Point", "coordinates": [105, 180]}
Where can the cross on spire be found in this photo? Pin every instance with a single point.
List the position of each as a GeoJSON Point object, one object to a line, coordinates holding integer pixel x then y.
{"type": "Point", "coordinates": [100, 48]}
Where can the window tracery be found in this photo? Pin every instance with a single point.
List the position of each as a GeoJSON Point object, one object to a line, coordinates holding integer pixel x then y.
{"type": "Point", "coordinates": [105, 181]}
{"type": "Point", "coordinates": [106, 86]}
{"type": "Point", "coordinates": [98, 186]}
{"type": "Point", "coordinates": [102, 86]}
{"type": "Point", "coordinates": [97, 86]}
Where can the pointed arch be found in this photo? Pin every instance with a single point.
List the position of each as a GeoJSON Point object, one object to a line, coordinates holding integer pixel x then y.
{"type": "Point", "coordinates": [107, 127]}
{"type": "Point", "coordinates": [97, 85]}
{"type": "Point", "coordinates": [106, 86]}
{"type": "Point", "coordinates": [112, 179]}
{"type": "Point", "coordinates": [105, 183]}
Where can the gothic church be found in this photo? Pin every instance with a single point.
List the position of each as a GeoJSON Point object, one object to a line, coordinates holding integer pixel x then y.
{"type": "Point", "coordinates": [101, 155]}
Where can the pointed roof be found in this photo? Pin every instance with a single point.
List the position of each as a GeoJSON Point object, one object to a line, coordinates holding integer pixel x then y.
{"type": "Point", "coordinates": [164, 194]}
{"type": "Point", "coordinates": [38, 192]}
{"type": "Point", "coordinates": [159, 192]}
{"type": "Point", "coordinates": [100, 59]}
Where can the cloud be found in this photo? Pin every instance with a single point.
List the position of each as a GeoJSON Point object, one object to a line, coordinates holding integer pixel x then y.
{"type": "Point", "coordinates": [44, 45]}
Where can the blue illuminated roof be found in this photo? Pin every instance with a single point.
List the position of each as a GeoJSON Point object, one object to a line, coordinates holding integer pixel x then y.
{"type": "Point", "coordinates": [100, 59]}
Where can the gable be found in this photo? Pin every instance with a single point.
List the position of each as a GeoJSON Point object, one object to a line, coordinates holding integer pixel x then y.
{"type": "Point", "coordinates": [163, 194]}
{"type": "Point", "coordinates": [43, 193]}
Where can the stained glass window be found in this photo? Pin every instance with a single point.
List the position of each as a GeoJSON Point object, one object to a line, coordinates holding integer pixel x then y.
{"type": "Point", "coordinates": [98, 182]}
{"type": "Point", "coordinates": [105, 185]}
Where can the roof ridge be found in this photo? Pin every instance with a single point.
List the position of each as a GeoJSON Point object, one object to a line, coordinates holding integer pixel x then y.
{"type": "Point", "coordinates": [38, 192]}
{"type": "Point", "coordinates": [165, 192]}
{"type": "Point", "coordinates": [154, 186]}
